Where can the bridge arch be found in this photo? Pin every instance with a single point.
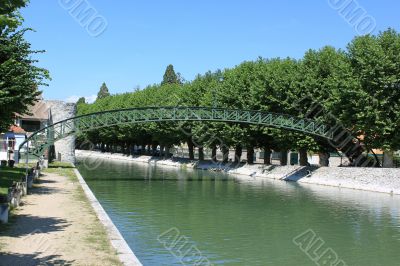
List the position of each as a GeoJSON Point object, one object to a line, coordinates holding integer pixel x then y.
{"type": "Point", "coordinates": [39, 141]}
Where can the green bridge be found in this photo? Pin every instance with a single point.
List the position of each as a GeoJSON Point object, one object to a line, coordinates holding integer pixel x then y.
{"type": "Point", "coordinates": [41, 140]}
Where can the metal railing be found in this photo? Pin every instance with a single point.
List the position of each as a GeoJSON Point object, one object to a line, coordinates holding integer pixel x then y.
{"type": "Point", "coordinates": [39, 141]}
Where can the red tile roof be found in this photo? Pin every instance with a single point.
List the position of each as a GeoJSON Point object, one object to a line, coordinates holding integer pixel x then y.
{"type": "Point", "coordinates": [16, 130]}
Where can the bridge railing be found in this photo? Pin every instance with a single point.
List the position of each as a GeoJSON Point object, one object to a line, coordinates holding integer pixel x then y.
{"type": "Point", "coordinates": [41, 140]}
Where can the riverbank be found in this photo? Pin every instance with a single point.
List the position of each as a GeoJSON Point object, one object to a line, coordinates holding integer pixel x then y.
{"type": "Point", "coordinates": [382, 180]}
{"type": "Point", "coordinates": [56, 225]}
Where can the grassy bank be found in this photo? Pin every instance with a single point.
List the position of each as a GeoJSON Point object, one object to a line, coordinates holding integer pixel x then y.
{"type": "Point", "coordinates": [64, 169]}
{"type": "Point", "coordinates": [8, 176]}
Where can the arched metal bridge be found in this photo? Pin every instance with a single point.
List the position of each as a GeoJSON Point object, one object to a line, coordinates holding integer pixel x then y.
{"type": "Point", "coordinates": [44, 138]}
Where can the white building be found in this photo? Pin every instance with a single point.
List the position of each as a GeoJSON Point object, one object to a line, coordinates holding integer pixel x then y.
{"type": "Point", "coordinates": [10, 142]}
{"type": "Point", "coordinates": [40, 115]}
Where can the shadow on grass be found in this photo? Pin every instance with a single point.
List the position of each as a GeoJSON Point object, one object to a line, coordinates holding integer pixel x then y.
{"type": "Point", "coordinates": [32, 259]}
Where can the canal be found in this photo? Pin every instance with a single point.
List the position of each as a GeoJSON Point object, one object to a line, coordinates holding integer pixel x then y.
{"type": "Point", "coordinates": [241, 221]}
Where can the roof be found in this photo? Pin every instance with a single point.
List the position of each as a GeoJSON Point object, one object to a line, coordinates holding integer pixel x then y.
{"type": "Point", "coordinates": [16, 129]}
{"type": "Point", "coordinates": [39, 111]}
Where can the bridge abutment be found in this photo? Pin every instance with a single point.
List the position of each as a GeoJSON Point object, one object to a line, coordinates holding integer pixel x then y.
{"type": "Point", "coordinates": [64, 148]}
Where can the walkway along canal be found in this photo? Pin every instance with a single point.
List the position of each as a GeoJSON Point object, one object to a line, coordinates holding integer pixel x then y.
{"type": "Point", "coordinates": [170, 215]}
{"type": "Point", "coordinates": [56, 226]}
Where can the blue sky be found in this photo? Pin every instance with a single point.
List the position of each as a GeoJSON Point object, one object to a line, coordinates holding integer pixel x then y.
{"type": "Point", "coordinates": [143, 37]}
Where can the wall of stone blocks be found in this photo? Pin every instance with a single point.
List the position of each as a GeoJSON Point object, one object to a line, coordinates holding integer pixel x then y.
{"type": "Point", "coordinates": [61, 111]}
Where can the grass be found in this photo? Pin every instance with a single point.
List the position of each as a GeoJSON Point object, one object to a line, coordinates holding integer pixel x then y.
{"type": "Point", "coordinates": [9, 175]}
{"type": "Point", "coordinates": [64, 169]}
{"type": "Point", "coordinates": [96, 235]}
{"type": "Point", "coordinates": [98, 238]}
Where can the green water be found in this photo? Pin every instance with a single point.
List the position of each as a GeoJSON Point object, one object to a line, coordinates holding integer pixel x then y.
{"type": "Point", "coordinates": [242, 221]}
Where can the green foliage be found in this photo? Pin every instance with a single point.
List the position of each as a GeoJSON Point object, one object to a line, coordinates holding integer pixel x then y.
{"type": "Point", "coordinates": [9, 16]}
{"type": "Point", "coordinates": [376, 64]}
{"type": "Point", "coordinates": [357, 88]}
{"type": "Point", "coordinates": [63, 169]}
{"type": "Point", "coordinates": [81, 100]}
{"type": "Point", "coordinates": [8, 176]}
{"type": "Point", "coordinates": [103, 92]}
{"type": "Point", "coordinates": [327, 80]}
{"type": "Point", "coordinates": [19, 76]}
{"type": "Point", "coordinates": [170, 77]}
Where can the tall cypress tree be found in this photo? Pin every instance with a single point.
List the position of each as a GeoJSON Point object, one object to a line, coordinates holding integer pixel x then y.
{"type": "Point", "coordinates": [103, 93]}
{"type": "Point", "coordinates": [170, 76]}
{"type": "Point", "coordinates": [81, 100]}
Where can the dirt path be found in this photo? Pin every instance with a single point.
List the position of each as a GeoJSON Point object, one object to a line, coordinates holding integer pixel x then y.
{"type": "Point", "coordinates": [56, 225]}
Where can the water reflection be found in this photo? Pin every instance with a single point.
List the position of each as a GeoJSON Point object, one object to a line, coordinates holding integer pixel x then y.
{"type": "Point", "coordinates": [241, 220]}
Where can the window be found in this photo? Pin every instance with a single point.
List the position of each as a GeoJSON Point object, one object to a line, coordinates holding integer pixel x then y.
{"type": "Point", "coordinates": [30, 126]}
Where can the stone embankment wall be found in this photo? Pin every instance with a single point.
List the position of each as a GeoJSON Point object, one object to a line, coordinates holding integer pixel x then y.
{"type": "Point", "coordinates": [61, 111]}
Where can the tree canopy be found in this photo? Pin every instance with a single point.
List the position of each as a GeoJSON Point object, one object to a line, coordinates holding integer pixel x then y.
{"type": "Point", "coordinates": [81, 100]}
{"type": "Point", "coordinates": [170, 77]}
{"type": "Point", "coordinates": [356, 88]}
{"type": "Point", "coordinates": [20, 76]}
{"type": "Point", "coordinates": [103, 92]}
{"type": "Point", "coordinates": [9, 16]}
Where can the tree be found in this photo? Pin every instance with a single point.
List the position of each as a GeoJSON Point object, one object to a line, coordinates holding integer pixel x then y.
{"type": "Point", "coordinates": [327, 93]}
{"type": "Point", "coordinates": [81, 100]}
{"type": "Point", "coordinates": [19, 75]}
{"type": "Point", "coordinates": [170, 76]}
{"type": "Point", "coordinates": [375, 60]}
{"type": "Point", "coordinates": [9, 16]}
{"type": "Point", "coordinates": [103, 92]}
{"type": "Point", "coordinates": [357, 89]}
